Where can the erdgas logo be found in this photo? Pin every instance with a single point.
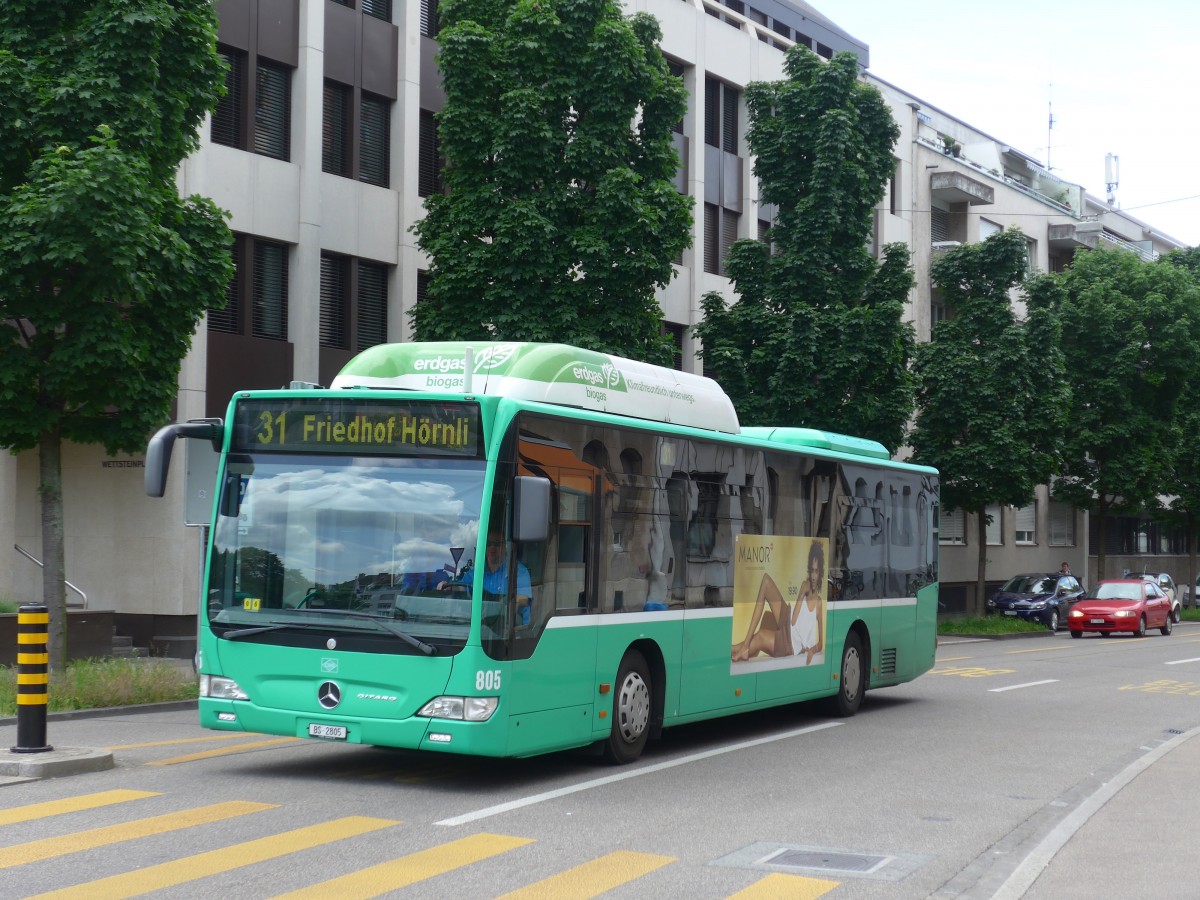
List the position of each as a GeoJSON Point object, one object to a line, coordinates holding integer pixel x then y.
{"type": "Point", "coordinates": [606, 376]}
{"type": "Point", "coordinates": [491, 357]}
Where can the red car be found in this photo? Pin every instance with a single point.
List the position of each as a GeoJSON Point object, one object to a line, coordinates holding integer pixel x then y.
{"type": "Point", "coordinates": [1128, 604]}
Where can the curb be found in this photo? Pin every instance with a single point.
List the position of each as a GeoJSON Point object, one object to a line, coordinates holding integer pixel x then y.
{"type": "Point", "coordinates": [69, 714]}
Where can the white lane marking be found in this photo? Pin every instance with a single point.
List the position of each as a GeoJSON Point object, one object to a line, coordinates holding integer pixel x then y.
{"type": "Point", "coordinates": [1176, 662]}
{"type": "Point", "coordinates": [622, 776]}
{"type": "Point", "coordinates": [1017, 687]}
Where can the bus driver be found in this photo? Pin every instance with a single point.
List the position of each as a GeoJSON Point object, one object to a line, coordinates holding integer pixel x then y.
{"type": "Point", "coordinates": [495, 577]}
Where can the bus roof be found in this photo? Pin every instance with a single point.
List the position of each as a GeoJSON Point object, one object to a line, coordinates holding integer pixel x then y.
{"type": "Point", "coordinates": [546, 373]}
{"type": "Point", "coordinates": [824, 440]}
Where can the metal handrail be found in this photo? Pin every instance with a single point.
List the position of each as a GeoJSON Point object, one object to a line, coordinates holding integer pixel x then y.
{"type": "Point", "coordinates": [29, 556]}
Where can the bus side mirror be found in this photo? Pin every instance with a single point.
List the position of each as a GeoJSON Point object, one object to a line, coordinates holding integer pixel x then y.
{"type": "Point", "coordinates": [531, 508]}
{"type": "Point", "coordinates": [158, 451]}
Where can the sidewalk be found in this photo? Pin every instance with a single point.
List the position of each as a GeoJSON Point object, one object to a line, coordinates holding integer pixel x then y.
{"type": "Point", "coordinates": [1136, 835]}
{"type": "Point", "coordinates": [17, 767]}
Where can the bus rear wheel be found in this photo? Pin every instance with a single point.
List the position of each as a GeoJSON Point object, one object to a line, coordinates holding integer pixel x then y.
{"type": "Point", "coordinates": [852, 681]}
{"type": "Point", "coordinates": [631, 710]}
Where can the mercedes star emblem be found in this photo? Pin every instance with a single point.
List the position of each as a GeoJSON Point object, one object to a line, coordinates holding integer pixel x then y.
{"type": "Point", "coordinates": [329, 695]}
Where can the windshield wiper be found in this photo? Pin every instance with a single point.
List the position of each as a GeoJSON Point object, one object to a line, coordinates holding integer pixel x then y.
{"type": "Point", "coordinates": [260, 629]}
{"type": "Point", "coordinates": [427, 649]}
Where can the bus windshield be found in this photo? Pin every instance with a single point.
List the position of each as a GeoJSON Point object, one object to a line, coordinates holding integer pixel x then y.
{"type": "Point", "coordinates": [362, 550]}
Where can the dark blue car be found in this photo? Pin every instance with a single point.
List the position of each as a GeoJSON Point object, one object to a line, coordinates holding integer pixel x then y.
{"type": "Point", "coordinates": [1044, 597]}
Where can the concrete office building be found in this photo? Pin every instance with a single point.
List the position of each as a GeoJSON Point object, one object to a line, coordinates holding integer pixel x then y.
{"type": "Point", "coordinates": [323, 152]}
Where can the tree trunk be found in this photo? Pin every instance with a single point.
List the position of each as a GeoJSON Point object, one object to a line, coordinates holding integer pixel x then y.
{"type": "Point", "coordinates": [981, 574]}
{"type": "Point", "coordinates": [1189, 591]}
{"type": "Point", "coordinates": [1101, 539]}
{"type": "Point", "coordinates": [53, 557]}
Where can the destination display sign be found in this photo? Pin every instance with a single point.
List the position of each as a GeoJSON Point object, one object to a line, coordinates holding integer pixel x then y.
{"type": "Point", "coordinates": [347, 426]}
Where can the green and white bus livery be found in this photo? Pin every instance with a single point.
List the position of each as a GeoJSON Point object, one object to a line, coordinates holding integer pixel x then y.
{"type": "Point", "coordinates": [506, 549]}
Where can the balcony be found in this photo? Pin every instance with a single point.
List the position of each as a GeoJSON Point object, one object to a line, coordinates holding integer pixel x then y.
{"type": "Point", "coordinates": [958, 187]}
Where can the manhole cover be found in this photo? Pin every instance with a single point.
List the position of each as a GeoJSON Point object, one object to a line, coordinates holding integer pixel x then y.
{"type": "Point", "coordinates": [859, 863]}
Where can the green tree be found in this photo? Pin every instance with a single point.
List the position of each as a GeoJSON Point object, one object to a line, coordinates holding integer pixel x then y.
{"type": "Point", "coordinates": [1131, 340]}
{"type": "Point", "coordinates": [991, 395]}
{"type": "Point", "coordinates": [104, 269]}
{"type": "Point", "coordinates": [817, 335]}
{"type": "Point", "coordinates": [1184, 479]}
{"type": "Point", "coordinates": [561, 216]}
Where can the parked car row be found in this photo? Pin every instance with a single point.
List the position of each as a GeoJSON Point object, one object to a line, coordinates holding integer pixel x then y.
{"type": "Point", "coordinates": [1051, 598]}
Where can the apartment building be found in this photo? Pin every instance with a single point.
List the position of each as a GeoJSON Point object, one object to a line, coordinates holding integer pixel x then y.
{"type": "Point", "coordinates": [323, 151]}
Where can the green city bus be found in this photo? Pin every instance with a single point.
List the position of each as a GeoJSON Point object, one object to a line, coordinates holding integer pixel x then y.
{"type": "Point", "coordinates": [643, 561]}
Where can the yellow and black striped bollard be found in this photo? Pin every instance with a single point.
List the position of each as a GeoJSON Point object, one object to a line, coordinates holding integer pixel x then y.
{"type": "Point", "coordinates": [33, 678]}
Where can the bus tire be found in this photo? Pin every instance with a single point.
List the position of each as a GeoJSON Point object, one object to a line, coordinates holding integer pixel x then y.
{"type": "Point", "coordinates": [852, 680]}
{"type": "Point", "coordinates": [631, 710]}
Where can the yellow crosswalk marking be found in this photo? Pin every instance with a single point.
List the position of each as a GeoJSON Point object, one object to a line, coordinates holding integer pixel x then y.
{"type": "Point", "coordinates": [593, 878]}
{"type": "Point", "coordinates": [223, 751]}
{"type": "Point", "coordinates": [126, 831]}
{"type": "Point", "coordinates": [202, 865]}
{"type": "Point", "coordinates": [398, 873]}
{"type": "Point", "coordinates": [778, 886]}
{"type": "Point", "coordinates": [229, 736]}
{"type": "Point", "coordinates": [20, 814]}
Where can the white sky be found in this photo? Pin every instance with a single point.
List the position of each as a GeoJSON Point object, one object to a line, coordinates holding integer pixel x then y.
{"type": "Point", "coordinates": [1121, 78]}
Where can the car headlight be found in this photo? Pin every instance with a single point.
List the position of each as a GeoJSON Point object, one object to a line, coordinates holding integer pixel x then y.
{"type": "Point", "coordinates": [219, 688]}
{"type": "Point", "coordinates": [1075, 614]}
{"type": "Point", "coordinates": [464, 709]}
{"type": "Point", "coordinates": [1041, 604]}
{"type": "Point", "coordinates": [1123, 613]}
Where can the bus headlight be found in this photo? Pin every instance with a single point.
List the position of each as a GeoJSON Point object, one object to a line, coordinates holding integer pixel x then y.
{"type": "Point", "coordinates": [465, 709]}
{"type": "Point", "coordinates": [221, 688]}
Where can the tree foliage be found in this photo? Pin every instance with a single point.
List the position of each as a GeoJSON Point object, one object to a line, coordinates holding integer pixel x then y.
{"type": "Point", "coordinates": [104, 269]}
{"type": "Point", "coordinates": [561, 216]}
{"type": "Point", "coordinates": [1132, 343]}
{"type": "Point", "coordinates": [991, 391]}
{"type": "Point", "coordinates": [817, 335]}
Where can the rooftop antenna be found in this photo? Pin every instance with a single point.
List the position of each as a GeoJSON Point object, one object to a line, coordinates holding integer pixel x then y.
{"type": "Point", "coordinates": [1112, 177]}
{"type": "Point", "coordinates": [1050, 129]}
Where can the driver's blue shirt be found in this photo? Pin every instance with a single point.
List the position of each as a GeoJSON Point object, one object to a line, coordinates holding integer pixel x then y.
{"type": "Point", "coordinates": [497, 583]}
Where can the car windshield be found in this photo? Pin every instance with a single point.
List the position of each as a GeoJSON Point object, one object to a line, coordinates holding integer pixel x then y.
{"type": "Point", "coordinates": [1030, 584]}
{"type": "Point", "coordinates": [1118, 592]}
{"type": "Point", "coordinates": [344, 544]}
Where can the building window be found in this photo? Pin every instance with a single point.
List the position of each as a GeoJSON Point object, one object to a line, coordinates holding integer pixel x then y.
{"type": "Point", "coordinates": [429, 163]}
{"type": "Point", "coordinates": [343, 277]}
{"type": "Point", "coordinates": [1026, 524]}
{"type": "Point", "coordinates": [429, 18]}
{"type": "Point", "coordinates": [335, 129]}
{"type": "Point", "coordinates": [372, 305]}
{"type": "Point", "coordinates": [273, 111]}
{"type": "Point", "coordinates": [270, 291]}
{"type": "Point", "coordinates": [894, 190]}
{"type": "Point", "coordinates": [268, 92]}
{"type": "Point", "coordinates": [1062, 524]}
{"type": "Point", "coordinates": [720, 231]}
{"type": "Point", "coordinates": [994, 531]}
{"type": "Point", "coordinates": [374, 141]}
{"type": "Point", "coordinates": [380, 9]}
{"type": "Point", "coordinates": [952, 527]}
{"type": "Point", "coordinates": [721, 115]}
{"type": "Point", "coordinates": [228, 320]}
{"type": "Point", "coordinates": [258, 290]}
{"type": "Point", "coordinates": [226, 127]}
{"type": "Point", "coordinates": [334, 311]}
{"type": "Point", "coordinates": [373, 130]}
{"type": "Point", "coordinates": [676, 331]}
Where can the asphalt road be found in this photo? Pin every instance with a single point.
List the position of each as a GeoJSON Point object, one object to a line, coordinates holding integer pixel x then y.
{"type": "Point", "coordinates": [956, 785]}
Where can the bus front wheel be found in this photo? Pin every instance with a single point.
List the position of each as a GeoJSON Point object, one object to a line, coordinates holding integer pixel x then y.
{"type": "Point", "coordinates": [852, 682]}
{"type": "Point", "coordinates": [631, 710]}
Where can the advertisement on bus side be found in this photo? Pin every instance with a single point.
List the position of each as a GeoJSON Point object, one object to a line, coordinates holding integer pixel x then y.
{"type": "Point", "coordinates": [779, 602]}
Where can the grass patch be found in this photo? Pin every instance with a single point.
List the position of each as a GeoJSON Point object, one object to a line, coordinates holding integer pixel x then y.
{"type": "Point", "coordinates": [7, 606]}
{"type": "Point", "coordinates": [988, 625]}
{"type": "Point", "coordinates": [1191, 614]}
{"type": "Point", "coordinates": [96, 683]}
